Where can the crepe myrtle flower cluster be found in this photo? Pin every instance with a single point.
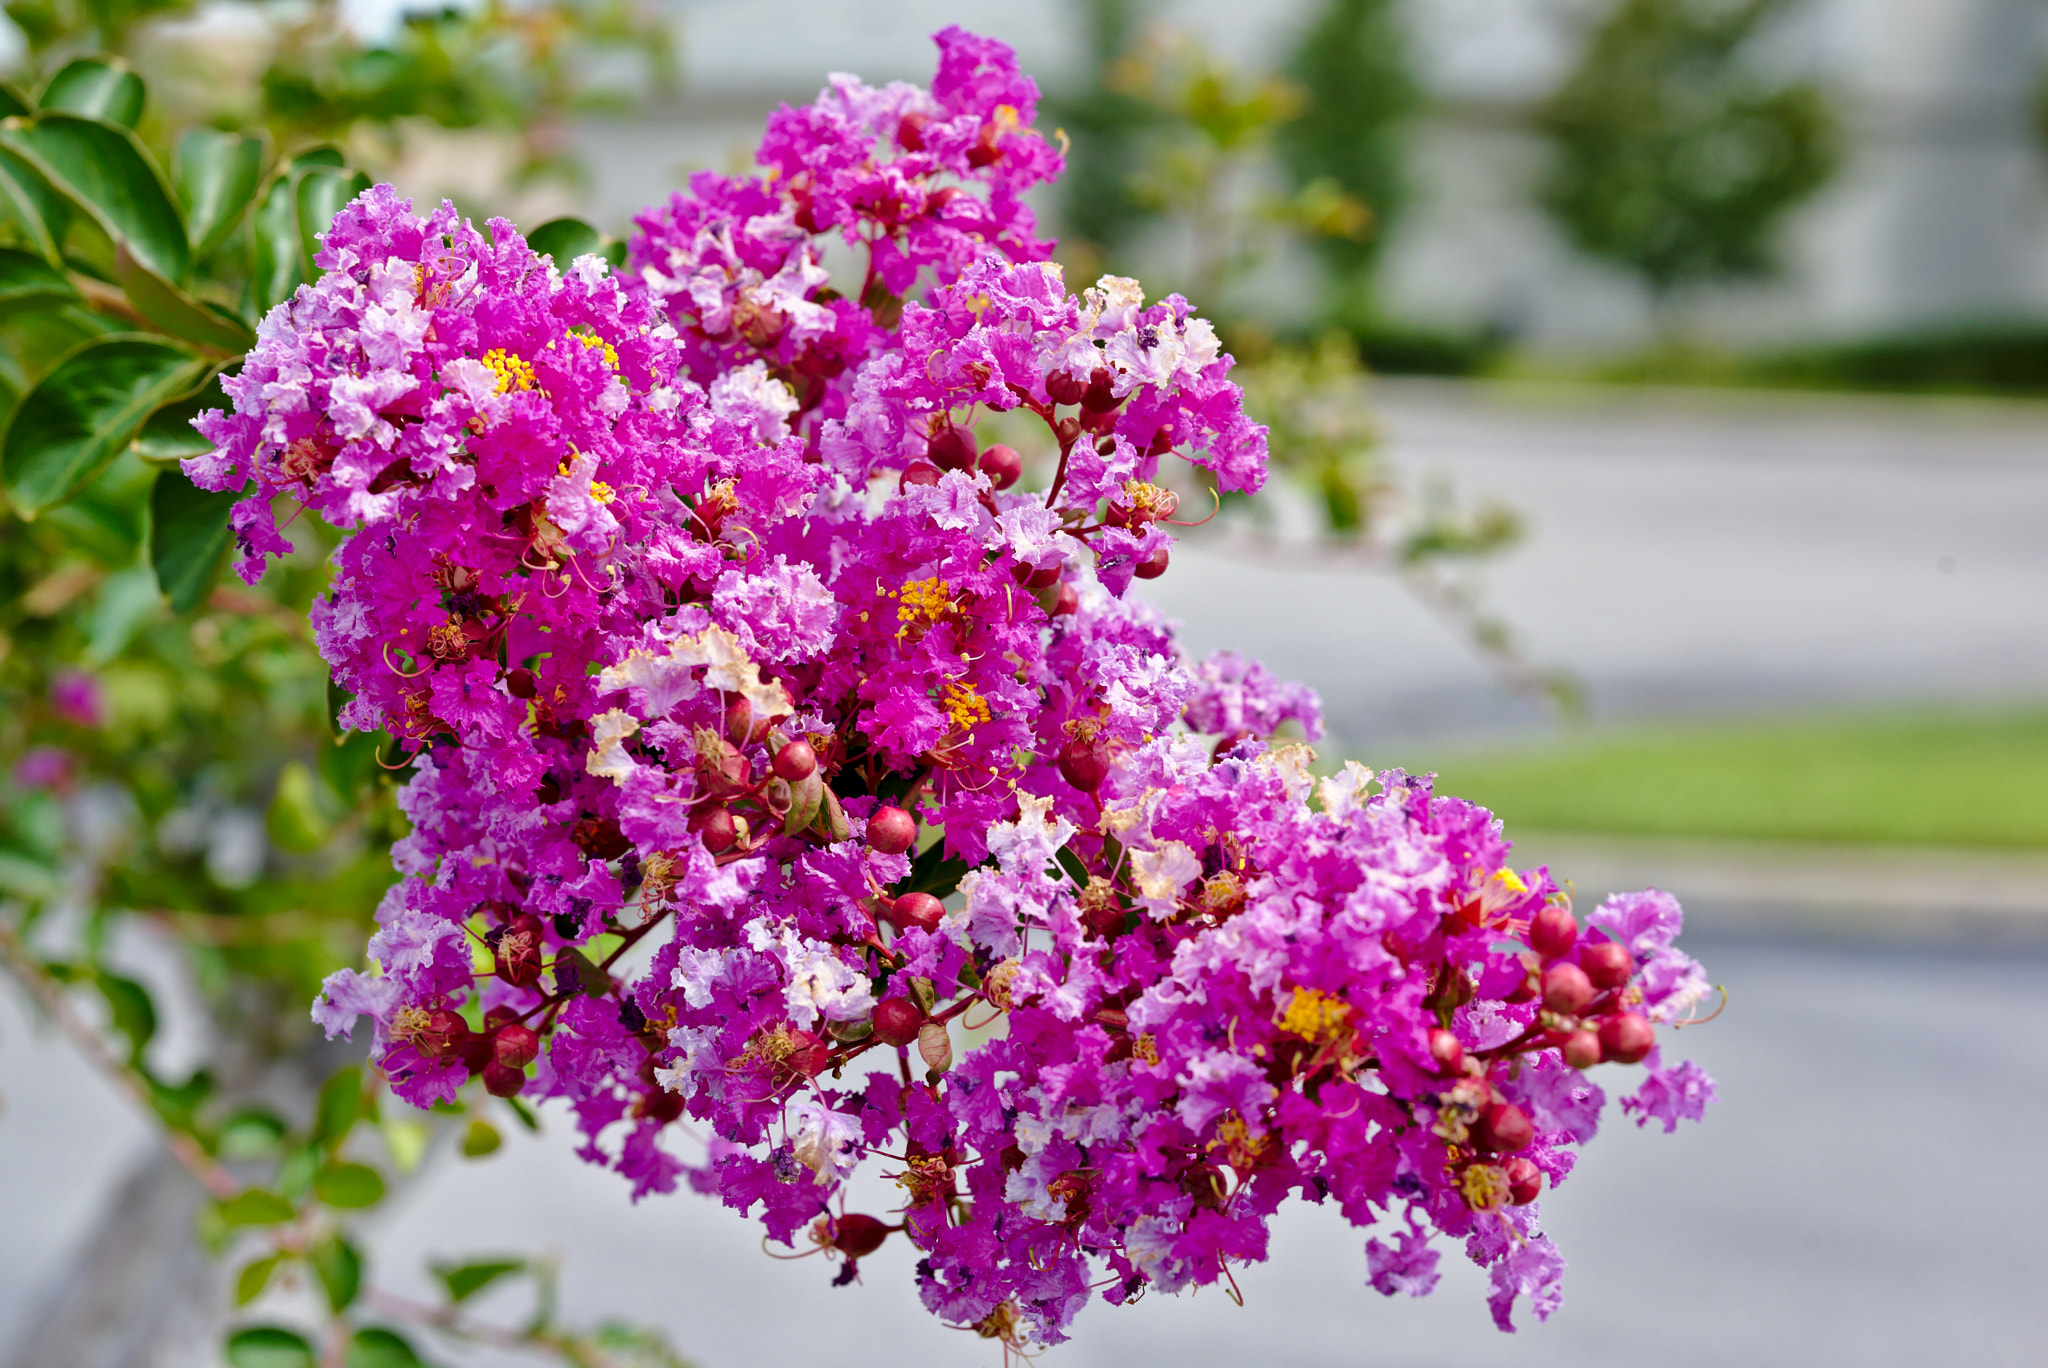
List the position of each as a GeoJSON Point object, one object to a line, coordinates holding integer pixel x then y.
{"type": "Point", "coordinates": [770, 744]}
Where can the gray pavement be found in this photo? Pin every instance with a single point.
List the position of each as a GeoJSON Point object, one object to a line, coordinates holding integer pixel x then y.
{"type": "Point", "coordinates": [1689, 552]}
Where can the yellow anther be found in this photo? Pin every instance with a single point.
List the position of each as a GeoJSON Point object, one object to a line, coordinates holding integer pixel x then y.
{"type": "Point", "coordinates": [1512, 880]}
{"type": "Point", "coordinates": [591, 339]}
{"type": "Point", "coordinates": [922, 601]}
{"type": "Point", "coordinates": [964, 706]}
{"type": "Point", "coordinates": [1315, 1016]}
{"type": "Point", "coordinates": [513, 372]}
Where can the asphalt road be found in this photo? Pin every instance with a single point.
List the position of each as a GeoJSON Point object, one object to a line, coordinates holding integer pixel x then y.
{"type": "Point", "coordinates": [1687, 553]}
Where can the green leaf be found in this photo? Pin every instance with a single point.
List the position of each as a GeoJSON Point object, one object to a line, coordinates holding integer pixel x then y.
{"type": "Point", "coordinates": [295, 1174]}
{"type": "Point", "coordinates": [98, 88]}
{"type": "Point", "coordinates": [274, 236]}
{"type": "Point", "coordinates": [26, 277]}
{"type": "Point", "coordinates": [255, 1207]}
{"type": "Point", "coordinates": [133, 1012]}
{"type": "Point", "coordinates": [349, 1186]}
{"type": "Point", "coordinates": [322, 154]}
{"type": "Point", "coordinates": [168, 435]}
{"type": "Point", "coordinates": [464, 1281]}
{"type": "Point", "coordinates": [480, 1139]}
{"type": "Point", "coordinates": [217, 175]}
{"type": "Point", "coordinates": [80, 415]}
{"type": "Point", "coordinates": [12, 105]}
{"type": "Point", "coordinates": [30, 203]}
{"type": "Point", "coordinates": [127, 601]}
{"type": "Point", "coordinates": [615, 252]}
{"type": "Point", "coordinates": [339, 1267]}
{"type": "Point", "coordinates": [565, 239]}
{"type": "Point", "coordinates": [591, 980]}
{"type": "Point", "coordinates": [104, 171]}
{"type": "Point", "coordinates": [251, 1133]}
{"type": "Point", "coordinates": [254, 1277]}
{"type": "Point", "coordinates": [189, 538]}
{"type": "Point", "coordinates": [341, 1102]}
{"type": "Point", "coordinates": [268, 1346]}
{"type": "Point", "coordinates": [321, 194]}
{"type": "Point", "coordinates": [528, 1117]}
{"type": "Point", "coordinates": [377, 1347]}
{"type": "Point", "coordinates": [176, 312]}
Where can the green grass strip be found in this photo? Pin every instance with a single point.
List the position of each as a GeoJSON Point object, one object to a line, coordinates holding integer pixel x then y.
{"type": "Point", "coordinates": [1918, 778]}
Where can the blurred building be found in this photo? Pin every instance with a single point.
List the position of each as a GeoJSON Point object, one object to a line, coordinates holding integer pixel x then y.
{"type": "Point", "coordinates": [1939, 214]}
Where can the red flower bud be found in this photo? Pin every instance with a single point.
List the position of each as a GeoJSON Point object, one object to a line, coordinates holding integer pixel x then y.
{"type": "Point", "coordinates": [910, 130]}
{"type": "Point", "coordinates": [1063, 388]}
{"type": "Point", "coordinates": [1525, 1181]}
{"type": "Point", "coordinates": [1041, 577]}
{"type": "Point", "coordinates": [1626, 1037]}
{"type": "Point", "coordinates": [1503, 1128]}
{"type": "Point", "coordinates": [917, 473]}
{"type": "Point", "coordinates": [1153, 566]}
{"type": "Point", "coordinates": [1098, 398]}
{"type": "Point", "coordinates": [809, 1056]}
{"type": "Point", "coordinates": [502, 1080]}
{"type": "Point", "coordinates": [1608, 964]}
{"type": "Point", "coordinates": [444, 1034]}
{"type": "Point", "coordinates": [1566, 989]}
{"type": "Point", "coordinates": [742, 724]}
{"type": "Point", "coordinates": [1582, 1049]}
{"type": "Point", "coordinates": [857, 1236]}
{"type": "Point", "coordinates": [952, 448]}
{"type": "Point", "coordinates": [795, 762]}
{"type": "Point", "coordinates": [897, 1020]}
{"type": "Point", "coordinates": [1003, 466]}
{"type": "Point", "coordinates": [1084, 764]}
{"type": "Point", "coordinates": [714, 827]}
{"type": "Point", "coordinates": [660, 1105]}
{"type": "Point", "coordinates": [517, 956]}
{"type": "Point", "coordinates": [515, 1046]}
{"type": "Point", "coordinates": [520, 683]}
{"type": "Point", "coordinates": [1446, 1050]}
{"type": "Point", "coordinates": [921, 910]}
{"type": "Point", "coordinates": [1068, 603]}
{"type": "Point", "coordinates": [1553, 931]}
{"type": "Point", "coordinates": [891, 831]}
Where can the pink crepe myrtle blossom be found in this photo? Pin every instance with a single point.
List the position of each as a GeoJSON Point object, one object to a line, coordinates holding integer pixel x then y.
{"type": "Point", "coordinates": [764, 744]}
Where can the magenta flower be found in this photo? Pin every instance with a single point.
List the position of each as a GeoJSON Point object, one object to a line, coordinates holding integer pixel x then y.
{"type": "Point", "coordinates": [768, 735]}
{"type": "Point", "coordinates": [77, 698]}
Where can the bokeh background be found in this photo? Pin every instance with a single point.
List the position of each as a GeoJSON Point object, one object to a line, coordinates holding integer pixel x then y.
{"type": "Point", "coordinates": [1657, 389]}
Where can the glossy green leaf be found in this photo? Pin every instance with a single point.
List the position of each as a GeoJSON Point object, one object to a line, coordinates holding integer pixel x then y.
{"type": "Point", "coordinates": [168, 434]}
{"type": "Point", "coordinates": [26, 278]}
{"type": "Point", "coordinates": [255, 1207]}
{"type": "Point", "coordinates": [480, 1139]}
{"type": "Point", "coordinates": [189, 538]}
{"type": "Point", "coordinates": [109, 518]}
{"type": "Point", "coordinates": [254, 1277]}
{"type": "Point", "coordinates": [28, 201]}
{"type": "Point", "coordinates": [98, 88]}
{"type": "Point", "coordinates": [321, 194]}
{"type": "Point", "coordinates": [176, 312]}
{"type": "Point", "coordinates": [615, 252]}
{"type": "Point", "coordinates": [12, 105]}
{"type": "Point", "coordinates": [217, 176]}
{"type": "Point", "coordinates": [268, 1346]}
{"type": "Point", "coordinates": [321, 154]}
{"type": "Point", "coordinates": [339, 1266]}
{"type": "Point", "coordinates": [565, 239]}
{"type": "Point", "coordinates": [80, 415]}
{"type": "Point", "coordinates": [274, 247]}
{"type": "Point", "coordinates": [105, 173]}
{"type": "Point", "coordinates": [341, 1102]}
{"type": "Point", "coordinates": [464, 1281]}
{"type": "Point", "coordinates": [377, 1347]}
{"type": "Point", "coordinates": [348, 1185]}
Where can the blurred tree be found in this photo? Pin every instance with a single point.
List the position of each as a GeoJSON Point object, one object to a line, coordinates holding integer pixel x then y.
{"type": "Point", "coordinates": [1345, 145]}
{"type": "Point", "coordinates": [1675, 154]}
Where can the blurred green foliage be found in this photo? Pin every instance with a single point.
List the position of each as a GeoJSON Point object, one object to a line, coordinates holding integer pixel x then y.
{"type": "Point", "coordinates": [1677, 154]}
